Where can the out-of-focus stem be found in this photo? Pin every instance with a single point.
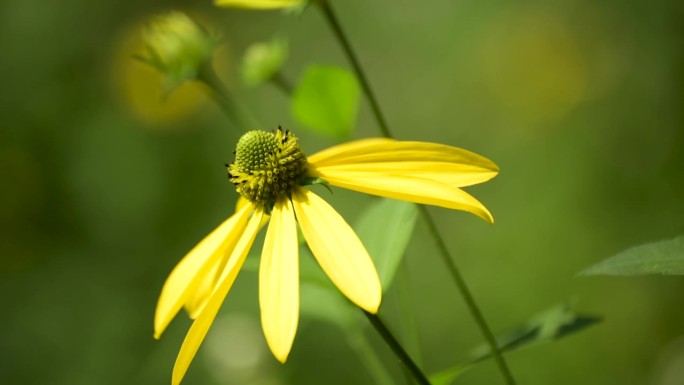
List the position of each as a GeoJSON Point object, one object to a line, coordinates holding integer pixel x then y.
{"type": "Point", "coordinates": [222, 97]}
{"type": "Point", "coordinates": [353, 59]}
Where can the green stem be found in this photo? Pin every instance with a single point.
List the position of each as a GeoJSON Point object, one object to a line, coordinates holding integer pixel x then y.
{"type": "Point", "coordinates": [396, 347]}
{"type": "Point", "coordinates": [444, 251]}
{"type": "Point", "coordinates": [360, 74]}
{"type": "Point", "coordinates": [467, 296]}
{"type": "Point", "coordinates": [224, 100]}
{"type": "Point", "coordinates": [282, 83]}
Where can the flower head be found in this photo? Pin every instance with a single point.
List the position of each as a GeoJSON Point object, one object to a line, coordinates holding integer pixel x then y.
{"type": "Point", "coordinates": [177, 46]}
{"type": "Point", "coordinates": [271, 173]}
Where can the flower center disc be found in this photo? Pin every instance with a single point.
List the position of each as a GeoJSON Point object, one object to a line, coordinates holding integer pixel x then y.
{"type": "Point", "coordinates": [267, 165]}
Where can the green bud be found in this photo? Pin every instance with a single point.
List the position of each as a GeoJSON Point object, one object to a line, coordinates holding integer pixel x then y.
{"type": "Point", "coordinates": [178, 47]}
{"type": "Point", "coordinates": [262, 61]}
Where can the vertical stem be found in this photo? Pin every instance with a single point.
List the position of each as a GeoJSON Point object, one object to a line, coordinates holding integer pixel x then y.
{"type": "Point", "coordinates": [467, 296]}
{"type": "Point", "coordinates": [349, 51]}
{"type": "Point", "coordinates": [281, 82]}
{"type": "Point", "coordinates": [444, 251]}
{"type": "Point", "coordinates": [396, 347]}
{"type": "Point", "coordinates": [224, 100]}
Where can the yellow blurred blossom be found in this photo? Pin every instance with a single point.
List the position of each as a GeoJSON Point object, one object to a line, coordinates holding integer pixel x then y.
{"type": "Point", "coordinates": [260, 4]}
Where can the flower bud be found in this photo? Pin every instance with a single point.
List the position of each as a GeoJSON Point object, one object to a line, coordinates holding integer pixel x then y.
{"type": "Point", "coordinates": [178, 47]}
{"type": "Point", "coordinates": [263, 61]}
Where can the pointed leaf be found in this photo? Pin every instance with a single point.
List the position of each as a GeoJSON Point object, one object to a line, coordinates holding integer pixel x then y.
{"type": "Point", "coordinates": [448, 376]}
{"type": "Point", "coordinates": [550, 325]}
{"type": "Point", "coordinates": [662, 257]}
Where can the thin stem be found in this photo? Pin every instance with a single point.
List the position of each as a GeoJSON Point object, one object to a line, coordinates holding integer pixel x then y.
{"type": "Point", "coordinates": [396, 347]}
{"type": "Point", "coordinates": [281, 82]}
{"type": "Point", "coordinates": [467, 296]}
{"type": "Point", "coordinates": [360, 74]}
{"type": "Point", "coordinates": [444, 251]}
{"type": "Point", "coordinates": [223, 99]}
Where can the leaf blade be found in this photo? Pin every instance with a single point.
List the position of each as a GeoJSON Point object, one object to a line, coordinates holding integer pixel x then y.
{"type": "Point", "coordinates": [385, 228]}
{"type": "Point", "coordinates": [664, 257]}
{"type": "Point", "coordinates": [326, 101]}
{"type": "Point", "coordinates": [552, 324]}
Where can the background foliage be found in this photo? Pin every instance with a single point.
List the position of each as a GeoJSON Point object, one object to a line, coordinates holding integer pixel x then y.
{"type": "Point", "coordinates": [105, 187]}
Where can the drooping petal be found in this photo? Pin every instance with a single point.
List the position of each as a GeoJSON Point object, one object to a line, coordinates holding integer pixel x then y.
{"type": "Point", "coordinates": [338, 250]}
{"type": "Point", "coordinates": [330, 155]}
{"type": "Point", "coordinates": [390, 155]}
{"type": "Point", "coordinates": [410, 188]}
{"type": "Point", "coordinates": [258, 4]}
{"type": "Point", "coordinates": [241, 202]}
{"type": "Point", "coordinates": [201, 325]}
{"type": "Point", "coordinates": [194, 267]}
{"type": "Point", "coordinates": [199, 297]}
{"type": "Point", "coordinates": [453, 174]}
{"type": "Point", "coordinates": [279, 280]}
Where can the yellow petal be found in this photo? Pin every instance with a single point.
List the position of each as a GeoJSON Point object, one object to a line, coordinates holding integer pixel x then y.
{"type": "Point", "coordinates": [391, 151]}
{"type": "Point", "coordinates": [410, 188]}
{"type": "Point", "coordinates": [279, 280]}
{"type": "Point", "coordinates": [453, 174]}
{"type": "Point", "coordinates": [258, 4]}
{"type": "Point", "coordinates": [338, 250]}
{"type": "Point", "coordinates": [201, 325]}
{"type": "Point", "coordinates": [200, 296]}
{"type": "Point", "coordinates": [242, 202]}
{"type": "Point", "coordinates": [328, 156]}
{"type": "Point", "coordinates": [198, 299]}
{"type": "Point", "coordinates": [194, 267]}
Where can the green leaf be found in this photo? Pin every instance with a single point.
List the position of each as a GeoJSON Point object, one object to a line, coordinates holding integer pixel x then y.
{"type": "Point", "coordinates": [327, 305]}
{"type": "Point", "coordinates": [550, 325]}
{"type": "Point", "coordinates": [262, 61]}
{"type": "Point", "coordinates": [663, 257]}
{"type": "Point", "coordinates": [385, 229]}
{"type": "Point", "coordinates": [448, 376]}
{"type": "Point", "coordinates": [326, 101]}
{"type": "Point", "coordinates": [309, 181]}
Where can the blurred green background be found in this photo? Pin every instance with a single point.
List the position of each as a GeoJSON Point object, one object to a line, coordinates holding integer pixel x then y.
{"type": "Point", "coordinates": [104, 188]}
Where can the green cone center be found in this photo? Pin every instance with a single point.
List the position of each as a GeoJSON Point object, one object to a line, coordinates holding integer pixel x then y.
{"type": "Point", "coordinates": [267, 165]}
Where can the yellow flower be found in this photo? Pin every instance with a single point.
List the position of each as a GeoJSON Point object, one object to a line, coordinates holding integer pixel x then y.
{"type": "Point", "coordinates": [270, 172]}
{"type": "Point", "coordinates": [260, 4]}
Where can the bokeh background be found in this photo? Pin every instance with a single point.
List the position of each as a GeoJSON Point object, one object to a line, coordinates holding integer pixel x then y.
{"type": "Point", "coordinates": [105, 187]}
